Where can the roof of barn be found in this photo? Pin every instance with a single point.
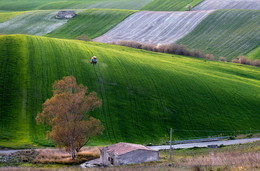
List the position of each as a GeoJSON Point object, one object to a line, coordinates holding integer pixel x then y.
{"type": "Point", "coordinates": [123, 148]}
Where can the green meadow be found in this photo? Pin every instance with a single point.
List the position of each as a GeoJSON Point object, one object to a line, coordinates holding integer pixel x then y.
{"type": "Point", "coordinates": [91, 22]}
{"type": "Point", "coordinates": [4, 16]}
{"type": "Point", "coordinates": [171, 5]}
{"type": "Point", "coordinates": [24, 5]}
{"type": "Point", "coordinates": [255, 54]}
{"type": "Point", "coordinates": [144, 93]}
{"type": "Point", "coordinates": [227, 33]}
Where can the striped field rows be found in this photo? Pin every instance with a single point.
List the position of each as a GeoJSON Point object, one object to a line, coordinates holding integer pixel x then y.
{"type": "Point", "coordinates": [154, 27]}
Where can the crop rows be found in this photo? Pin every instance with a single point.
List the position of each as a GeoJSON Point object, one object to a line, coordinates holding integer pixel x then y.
{"type": "Point", "coordinates": [143, 93]}
{"type": "Point", "coordinates": [154, 27]}
{"type": "Point", "coordinates": [122, 4]}
{"type": "Point", "coordinates": [228, 4]}
{"type": "Point", "coordinates": [228, 33]}
{"type": "Point", "coordinates": [171, 5]}
{"type": "Point", "coordinates": [92, 22]}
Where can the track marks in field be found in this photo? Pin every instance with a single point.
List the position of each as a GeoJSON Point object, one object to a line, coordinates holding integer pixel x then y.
{"type": "Point", "coordinates": [154, 27]}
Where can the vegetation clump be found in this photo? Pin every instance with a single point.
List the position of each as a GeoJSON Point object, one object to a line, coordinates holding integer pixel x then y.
{"type": "Point", "coordinates": [171, 49]}
{"type": "Point", "coordinates": [66, 113]}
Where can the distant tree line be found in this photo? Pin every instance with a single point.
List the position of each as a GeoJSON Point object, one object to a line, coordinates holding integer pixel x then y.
{"type": "Point", "coordinates": [183, 50]}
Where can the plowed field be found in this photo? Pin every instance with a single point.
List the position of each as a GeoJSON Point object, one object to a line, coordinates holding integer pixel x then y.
{"type": "Point", "coordinates": [154, 27]}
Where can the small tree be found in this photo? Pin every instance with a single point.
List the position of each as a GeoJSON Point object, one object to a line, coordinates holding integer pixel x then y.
{"type": "Point", "coordinates": [66, 113]}
{"type": "Point", "coordinates": [189, 7]}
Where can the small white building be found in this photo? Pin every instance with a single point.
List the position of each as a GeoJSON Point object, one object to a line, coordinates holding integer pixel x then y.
{"type": "Point", "coordinates": [65, 14]}
{"type": "Point", "coordinates": [126, 153]}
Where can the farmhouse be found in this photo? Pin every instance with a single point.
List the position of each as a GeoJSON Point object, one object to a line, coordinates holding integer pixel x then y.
{"type": "Point", "coordinates": [126, 153]}
{"type": "Point", "coordinates": [65, 14]}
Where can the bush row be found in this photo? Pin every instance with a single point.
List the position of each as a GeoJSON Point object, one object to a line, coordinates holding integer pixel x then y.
{"type": "Point", "coordinates": [183, 50]}
{"type": "Point", "coordinates": [172, 49]}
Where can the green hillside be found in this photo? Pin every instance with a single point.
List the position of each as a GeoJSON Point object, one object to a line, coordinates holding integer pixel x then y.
{"type": "Point", "coordinates": [24, 5]}
{"type": "Point", "coordinates": [4, 16]}
{"type": "Point", "coordinates": [92, 22]}
{"type": "Point", "coordinates": [255, 54]}
{"type": "Point", "coordinates": [170, 5]}
{"type": "Point", "coordinates": [228, 33]}
{"type": "Point", "coordinates": [143, 93]}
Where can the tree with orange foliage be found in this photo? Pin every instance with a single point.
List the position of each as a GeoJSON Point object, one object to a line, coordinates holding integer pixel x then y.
{"type": "Point", "coordinates": [66, 113]}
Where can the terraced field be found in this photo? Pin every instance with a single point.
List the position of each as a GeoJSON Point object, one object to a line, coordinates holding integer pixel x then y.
{"type": "Point", "coordinates": [255, 54]}
{"type": "Point", "coordinates": [4, 16]}
{"type": "Point", "coordinates": [170, 5]}
{"type": "Point", "coordinates": [92, 22]}
{"type": "Point", "coordinates": [154, 27]}
{"type": "Point", "coordinates": [33, 23]}
{"type": "Point", "coordinates": [23, 5]}
{"type": "Point", "coordinates": [143, 93]}
{"type": "Point", "coordinates": [228, 33]}
{"type": "Point", "coordinates": [228, 4]}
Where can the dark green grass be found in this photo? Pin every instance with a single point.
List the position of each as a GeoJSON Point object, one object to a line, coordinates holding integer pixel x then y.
{"type": "Point", "coordinates": [255, 54]}
{"type": "Point", "coordinates": [143, 93]}
{"type": "Point", "coordinates": [170, 5]}
{"type": "Point", "coordinates": [227, 33]}
{"type": "Point", "coordinates": [92, 22]}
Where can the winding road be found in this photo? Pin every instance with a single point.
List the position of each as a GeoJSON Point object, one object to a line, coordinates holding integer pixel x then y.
{"type": "Point", "coordinates": [179, 146]}
{"type": "Point", "coordinates": [205, 144]}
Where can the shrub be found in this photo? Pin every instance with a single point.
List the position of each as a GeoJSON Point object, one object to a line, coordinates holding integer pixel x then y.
{"type": "Point", "coordinates": [256, 63]}
{"type": "Point", "coordinates": [148, 47]}
{"type": "Point", "coordinates": [209, 57]}
{"type": "Point", "coordinates": [130, 44]}
{"type": "Point", "coordinates": [242, 60]}
{"type": "Point", "coordinates": [222, 59]}
{"type": "Point", "coordinates": [84, 37]}
{"type": "Point", "coordinates": [235, 61]}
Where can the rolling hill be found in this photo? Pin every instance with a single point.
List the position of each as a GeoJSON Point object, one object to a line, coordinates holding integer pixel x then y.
{"type": "Point", "coordinates": [170, 5]}
{"type": "Point", "coordinates": [92, 22]}
{"type": "Point", "coordinates": [143, 93]}
{"type": "Point", "coordinates": [151, 27]}
{"type": "Point", "coordinates": [33, 23]}
{"type": "Point", "coordinates": [228, 33]}
{"type": "Point", "coordinates": [228, 4]}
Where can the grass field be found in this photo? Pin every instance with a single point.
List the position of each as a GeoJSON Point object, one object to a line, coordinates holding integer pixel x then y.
{"type": "Point", "coordinates": [92, 22]}
{"type": "Point", "coordinates": [24, 5]}
{"type": "Point", "coordinates": [4, 16]}
{"type": "Point", "coordinates": [228, 4]}
{"type": "Point", "coordinates": [33, 23]}
{"type": "Point", "coordinates": [143, 93]}
{"type": "Point", "coordinates": [170, 5]}
{"type": "Point", "coordinates": [255, 54]}
{"type": "Point", "coordinates": [121, 4]}
{"type": "Point", "coordinates": [228, 33]}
